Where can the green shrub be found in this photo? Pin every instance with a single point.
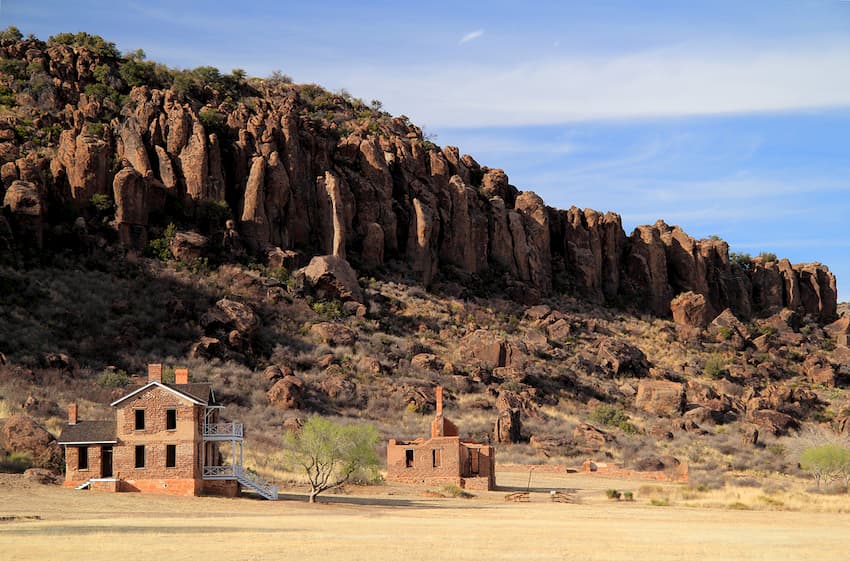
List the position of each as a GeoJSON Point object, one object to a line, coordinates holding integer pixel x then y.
{"type": "Point", "coordinates": [94, 43]}
{"type": "Point", "coordinates": [613, 494]}
{"type": "Point", "coordinates": [11, 33]}
{"type": "Point", "coordinates": [742, 260]}
{"type": "Point", "coordinates": [101, 202]}
{"type": "Point", "coordinates": [17, 69]}
{"type": "Point", "coordinates": [715, 367]}
{"type": "Point", "coordinates": [660, 502]}
{"type": "Point", "coordinates": [628, 496]}
{"type": "Point", "coordinates": [114, 379]}
{"type": "Point", "coordinates": [16, 462]}
{"type": "Point", "coordinates": [7, 97]}
{"type": "Point", "coordinates": [613, 416]}
{"type": "Point", "coordinates": [738, 506]}
{"type": "Point", "coordinates": [329, 309]}
{"type": "Point", "coordinates": [725, 332]}
{"type": "Point", "coordinates": [767, 257]}
{"type": "Point", "coordinates": [457, 492]}
{"type": "Point", "coordinates": [161, 247]}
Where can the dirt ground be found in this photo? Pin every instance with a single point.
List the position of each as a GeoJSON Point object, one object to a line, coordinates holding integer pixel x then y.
{"type": "Point", "coordinates": [392, 522]}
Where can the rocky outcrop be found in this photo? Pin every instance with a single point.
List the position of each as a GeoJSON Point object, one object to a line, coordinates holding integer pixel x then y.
{"type": "Point", "coordinates": [333, 333]}
{"type": "Point", "coordinates": [27, 211]}
{"type": "Point", "coordinates": [21, 434]}
{"type": "Point", "coordinates": [296, 182]}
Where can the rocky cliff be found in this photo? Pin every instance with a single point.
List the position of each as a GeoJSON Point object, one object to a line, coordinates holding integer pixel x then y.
{"type": "Point", "coordinates": [302, 169]}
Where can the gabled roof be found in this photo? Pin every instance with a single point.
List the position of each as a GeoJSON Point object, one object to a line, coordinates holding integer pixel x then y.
{"type": "Point", "coordinates": [89, 432]}
{"type": "Point", "coordinates": [201, 391]}
{"type": "Point", "coordinates": [192, 392]}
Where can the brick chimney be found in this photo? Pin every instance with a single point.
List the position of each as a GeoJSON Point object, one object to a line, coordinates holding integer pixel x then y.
{"type": "Point", "coordinates": [439, 400]}
{"type": "Point", "coordinates": [181, 375]}
{"type": "Point", "coordinates": [72, 414]}
{"type": "Point", "coordinates": [155, 373]}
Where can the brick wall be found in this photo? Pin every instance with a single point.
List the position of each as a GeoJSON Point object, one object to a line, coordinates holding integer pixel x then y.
{"type": "Point", "coordinates": [453, 463]}
{"type": "Point", "coordinates": [75, 476]}
{"type": "Point", "coordinates": [155, 437]}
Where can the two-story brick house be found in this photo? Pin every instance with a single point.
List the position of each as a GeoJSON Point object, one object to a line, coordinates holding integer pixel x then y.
{"type": "Point", "coordinates": [165, 438]}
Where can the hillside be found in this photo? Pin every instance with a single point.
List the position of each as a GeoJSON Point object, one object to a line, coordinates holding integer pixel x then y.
{"type": "Point", "coordinates": [308, 252]}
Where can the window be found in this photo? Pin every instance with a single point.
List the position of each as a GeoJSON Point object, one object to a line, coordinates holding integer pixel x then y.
{"type": "Point", "coordinates": [83, 457]}
{"type": "Point", "coordinates": [408, 458]}
{"type": "Point", "coordinates": [140, 456]}
{"type": "Point", "coordinates": [436, 459]}
{"type": "Point", "coordinates": [171, 419]}
{"type": "Point", "coordinates": [170, 455]}
{"type": "Point", "coordinates": [140, 419]}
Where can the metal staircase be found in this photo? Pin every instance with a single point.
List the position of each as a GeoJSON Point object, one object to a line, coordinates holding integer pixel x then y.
{"type": "Point", "coordinates": [233, 433]}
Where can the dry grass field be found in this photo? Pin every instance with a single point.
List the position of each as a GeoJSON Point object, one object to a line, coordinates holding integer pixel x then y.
{"type": "Point", "coordinates": [394, 522]}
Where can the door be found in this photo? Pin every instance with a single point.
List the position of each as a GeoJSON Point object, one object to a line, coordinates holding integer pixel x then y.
{"type": "Point", "coordinates": [106, 461]}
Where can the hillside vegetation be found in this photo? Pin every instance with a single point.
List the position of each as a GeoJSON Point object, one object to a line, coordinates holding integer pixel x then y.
{"type": "Point", "coordinates": [308, 252]}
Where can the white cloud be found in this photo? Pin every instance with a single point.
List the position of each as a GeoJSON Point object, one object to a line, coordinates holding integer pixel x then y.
{"type": "Point", "coordinates": [676, 81]}
{"type": "Point", "coordinates": [471, 36]}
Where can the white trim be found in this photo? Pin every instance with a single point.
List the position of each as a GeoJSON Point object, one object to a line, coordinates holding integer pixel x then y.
{"type": "Point", "coordinates": [161, 385]}
{"type": "Point", "coordinates": [88, 442]}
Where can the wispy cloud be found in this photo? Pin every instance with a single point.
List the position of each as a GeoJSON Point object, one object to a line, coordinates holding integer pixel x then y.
{"type": "Point", "coordinates": [676, 81]}
{"type": "Point", "coordinates": [471, 36]}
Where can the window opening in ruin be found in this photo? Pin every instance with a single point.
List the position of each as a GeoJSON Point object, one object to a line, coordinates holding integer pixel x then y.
{"type": "Point", "coordinates": [408, 458]}
{"type": "Point", "coordinates": [436, 459]}
{"type": "Point", "coordinates": [140, 456]}
{"type": "Point", "coordinates": [170, 455]}
{"type": "Point", "coordinates": [83, 457]}
{"type": "Point", "coordinates": [140, 419]}
{"type": "Point", "coordinates": [171, 419]}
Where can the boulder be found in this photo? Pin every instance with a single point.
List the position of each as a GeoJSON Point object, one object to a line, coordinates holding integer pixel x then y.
{"type": "Point", "coordinates": [660, 397]}
{"type": "Point", "coordinates": [228, 315]}
{"type": "Point", "coordinates": [691, 310]}
{"type": "Point", "coordinates": [779, 424]}
{"type": "Point", "coordinates": [333, 333]}
{"type": "Point", "coordinates": [339, 388]}
{"type": "Point", "coordinates": [426, 361]}
{"type": "Point", "coordinates": [492, 350]}
{"type": "Point", "coordinates": [287, 393]}
{"type": "Point", "coordinates": [188, 246]}
{"type": "Point", "coordinates": [819, 370]}
{"type": "Point", "coordinates": [206, 348]}
{"type": "Point", "coordinates": [23, 435]}
{"type": "Point", "coordinates": [42, 476]}
{"type": "Point", "coordinates": [591, 438]}
{"type": "Point", "coordinates": [620, 359]}
{"type": "Point", "coordinates": [274, 373]}
{"type": "Point", "coordinates": [727, 327]}
{"type": "Point", "coordinates": [331, 277]}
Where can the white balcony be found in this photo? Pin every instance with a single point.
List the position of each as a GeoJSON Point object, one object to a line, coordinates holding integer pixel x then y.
{"type": "Point", "coordinates": [223, 431]}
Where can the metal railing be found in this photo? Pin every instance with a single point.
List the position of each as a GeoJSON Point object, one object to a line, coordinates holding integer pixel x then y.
{"type": "Point", "coordinates": [245, 477]}
{"type": "Point", "coordinates": [223, 430]}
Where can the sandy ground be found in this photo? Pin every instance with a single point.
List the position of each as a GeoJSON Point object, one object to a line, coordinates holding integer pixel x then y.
{"type": "Point", "coordinates": [398, 523]}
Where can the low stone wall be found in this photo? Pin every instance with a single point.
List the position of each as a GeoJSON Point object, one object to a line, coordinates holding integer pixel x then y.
{"type": "Point", "coordinates": [678, 474]}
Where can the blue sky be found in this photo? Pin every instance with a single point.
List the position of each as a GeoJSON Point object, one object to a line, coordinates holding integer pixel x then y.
{"type": "Point", "coordinates": [726, 118]}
